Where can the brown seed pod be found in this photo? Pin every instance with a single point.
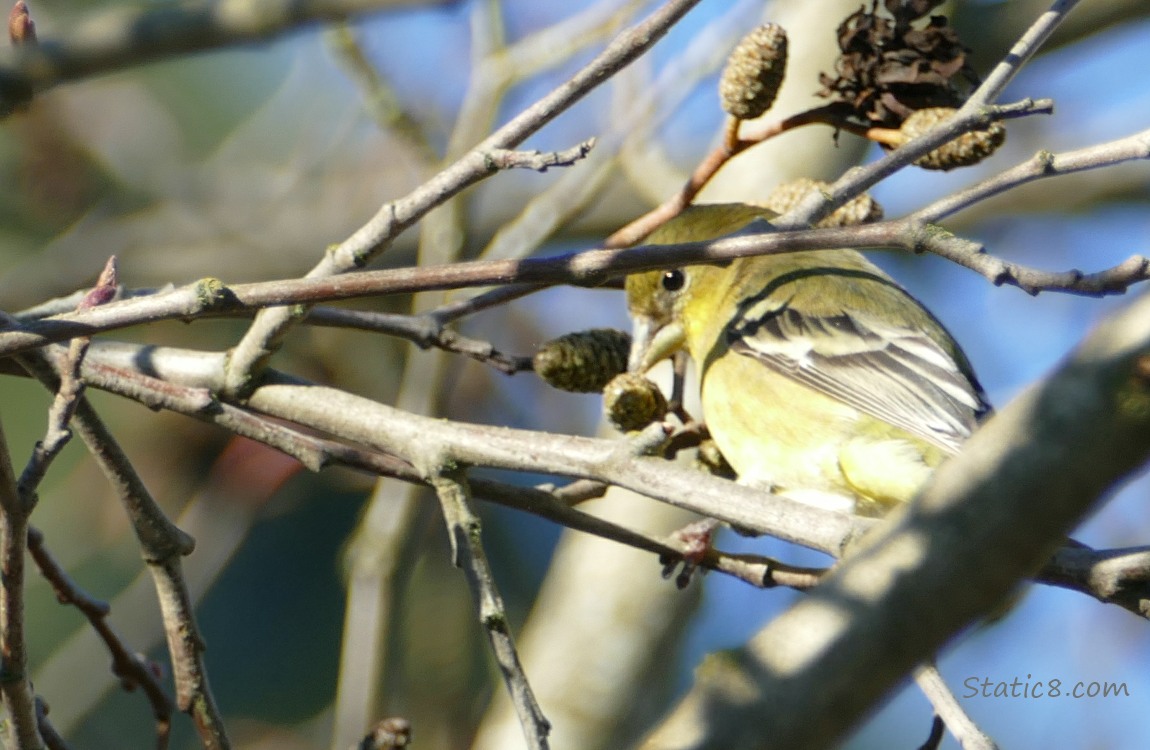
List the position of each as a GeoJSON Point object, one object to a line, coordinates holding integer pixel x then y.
{"type": "Point", "coordinates": [861, 209]}
{"type": "Point", "coordinates": [754, 72]}
{"type": "Point", "coordinates": [585, 361]}
{"type": "Point", "coordinates": [963, 151]}
{"type": "Point", "coordinates": [897, 56]}
{"type": "Point", "coordinates": [632, 402]}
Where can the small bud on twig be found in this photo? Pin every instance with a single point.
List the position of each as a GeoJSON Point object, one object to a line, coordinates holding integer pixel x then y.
{"type": "Point", "coordinates": [21, 27]}
{"type": "Point", "coordinates": [105, 288]}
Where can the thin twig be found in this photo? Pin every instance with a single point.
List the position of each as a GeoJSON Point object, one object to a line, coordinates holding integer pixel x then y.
{"type": "Point", "coordinates": [452, 311]}
{"type": "Point", "coordinates": [380, 99]}
{"type": "Point", "coordinates": [21, 728]}
{"type": "Point", "coordinates": [133, 670]}
{"type": "Point", "coordinates": [1119, 577]}
{"type": "Point", "coordinates": [68, 392]}
{"type": "Point", "coordinates": [163, 545]}
{"type": "Point", "coordinates": [52, 738]}
{"type": "Point", "coordinates": [1115, 576]}
{"type": "Point", "coordinates": [540, 161]}
{"type": "Point", "coordinates": [763, 572]}
{"type": "Point", "coordinates": [819, 203]}
{"type": "Point", "coordinates": [463, 527]}
{"type": "Point", "coordinates": [1040, 166]}
{"type": "Point", "coordinates": [1019, 54]}
{"type": "Point", "coordinates": [423, 331]}
{"type": "Point", "coordinates": [947, 707]}
{"type": "Point", "coordinates": [729, 148]}
{"type": "Point", "coordinates": [266, 333]}
{"type": "Point", "coordinates": [121, 37]}
{"type": "Point", "coordinates": [593, 267]}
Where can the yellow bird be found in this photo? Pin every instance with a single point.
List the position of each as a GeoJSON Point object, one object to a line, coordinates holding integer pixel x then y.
{"type": "Point", "coordinates": [821, 378]}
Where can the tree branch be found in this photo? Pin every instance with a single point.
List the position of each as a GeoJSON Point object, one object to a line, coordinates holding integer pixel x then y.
{"type": "Point", "coordinates": [133, 670]}
{"type": "Point", "coordinates": [463, 528]}
{"type": "Point", "coordinates": [1119, 577]}
{"type": "Point", "coordinates": [1019, 54]}
{"type": "Point", "coordinates": [162, 545]}
{"type": "Point", "coordinates": [122, 37]}
{"type": "Point", "coordinates": [265, 335]}
{"type": "Point", "coordinates": [947, 708]}
{"type": "Point", "coordinates": [21, 730]}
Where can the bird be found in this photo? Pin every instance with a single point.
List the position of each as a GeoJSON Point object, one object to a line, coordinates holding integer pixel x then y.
{"type": "Point", "coordinates": [820, 377]}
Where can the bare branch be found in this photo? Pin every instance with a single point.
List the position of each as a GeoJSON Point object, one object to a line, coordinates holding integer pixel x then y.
{"type": "Point", "coordinates": [133, 670]}
{"type": "Point", "coordinates": [947, 708]}
{"type": "Point", "coordinates": [52, 738]}
{"type": "Point", "coordinates": [1120, 577]}
{"type": "Point", "coordinates": [406, 435]}
{"type": "Point", "coordinates": [1116, 576]}
{"type": "Point", "coordinates": [1043, 164]}
{"type": "Point", "coordinates": [68, 392]}
{"type": "Point", "coordinates": [1020, 53]}
{"type": "Point", "coordinates": [502, 158]}
{"type": "Point", "coordinates": [21, 727]}
{"type": "Point", "coordinates": [464, 530]}
{"type": "Point", "coordinates": [121, 37]}
{"type": "Point", "coordinates": [423, 331]}
{"type": "Point", "coordinates": [266, 333]}
{"type": "Point", "coordinates": [163, 545]}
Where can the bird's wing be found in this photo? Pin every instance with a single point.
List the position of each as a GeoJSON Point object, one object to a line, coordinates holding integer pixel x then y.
{"type": "Point", "coordinates": [899, 375]}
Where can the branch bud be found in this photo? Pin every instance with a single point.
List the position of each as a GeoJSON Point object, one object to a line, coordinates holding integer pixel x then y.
{"type": "Point", "coordinates": [21, 28]}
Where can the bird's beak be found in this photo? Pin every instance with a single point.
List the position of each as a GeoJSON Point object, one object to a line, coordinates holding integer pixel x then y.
{"type": "Point", "coordinates": [651, 343]}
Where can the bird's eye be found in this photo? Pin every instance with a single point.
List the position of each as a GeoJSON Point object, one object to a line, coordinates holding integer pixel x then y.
{"type": "Point", "coordinates": [673, 280]}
